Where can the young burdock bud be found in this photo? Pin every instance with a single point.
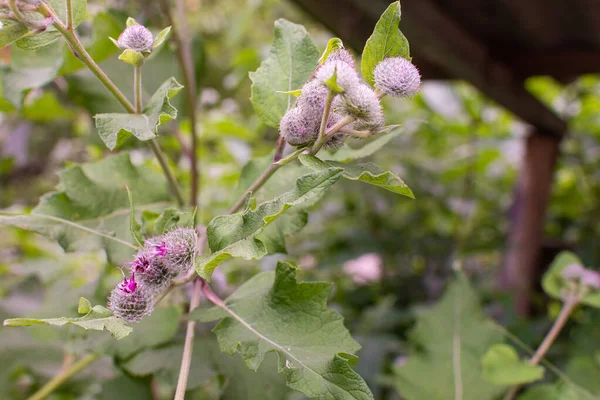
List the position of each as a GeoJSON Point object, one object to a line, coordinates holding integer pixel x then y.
{"type": "Point", "coordinates": [363, 104]}
{"type": "Point", "coordinates": [337, 140]}
{"type": "Point", "coordinates": [179, 250]}
{"type": "Point", "coordinates": [300, 126]}
{"type": "Point", "coordinates": [152, 270]}
{"type": "Point", "coordinates": [313, 96]}
{"type": "Point", "coordinates": [130, 300]}
{"type": "Point", "coordinates": [137, 38]}
{"type": "Point", "coordinates": [341, 55]}
{"type": "Point", "coordinates": [346, 76]}
{"type": "Point", "coordinates": [398, 77]}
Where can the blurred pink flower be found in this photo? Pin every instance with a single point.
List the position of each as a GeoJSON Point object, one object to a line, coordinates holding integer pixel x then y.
{"type": "Point", "coordinates": [365, 269]}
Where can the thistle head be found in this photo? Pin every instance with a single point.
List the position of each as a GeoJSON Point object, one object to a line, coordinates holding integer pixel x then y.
{"type": "Point", "coordinates": [136, 37]}
{"type": "Point", "coordinates": [130, 300]}
{"type": "Point", "coordinates": [300, 126]}
{"type": "Point", "coordinates": [363, 104]}
{"type": "Point", "coordinates": [313, 96]}
{"type": "Point", "coordinates": [178, 249]}
{"type": "Point", "coordinates": [396, 76]}
{"type": "Point", "coordinates": [346, 76]}
{"type": "Point", "coordinates": [341, 55]}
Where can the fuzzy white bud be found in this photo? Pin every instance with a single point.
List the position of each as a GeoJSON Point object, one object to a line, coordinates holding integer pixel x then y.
{"type": "Point", "coordinates": [300, 126]}
{"type": "Point", "coordinates": [346, 76]}
{"type": "Point", "coordinates": [341, 55]}
{"type": "Point", "coordinates": [398, 77]}
{"type": "Point", "coordinates": [363, 104]}
{"type": "Point", "coordinates": [137, 38]}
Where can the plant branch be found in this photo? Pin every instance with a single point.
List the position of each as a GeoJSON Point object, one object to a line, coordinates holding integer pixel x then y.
{"type": "Point", "coordinates": [188, 347]}
{"type": "Point", "coordinates": [569, 305]}
{"type": "Point", "coordinates": [81, 53]}
{"type": "Point", "coordinates": [62, 377]}
{"type": "Point", "coordinates": [257, 184]}
{"type": "Point", "coordinates": [181, 36]}
{"type": "Point", "coordinates": [137, 88]}
{"type": "Point", "coordinates": [70, 24]}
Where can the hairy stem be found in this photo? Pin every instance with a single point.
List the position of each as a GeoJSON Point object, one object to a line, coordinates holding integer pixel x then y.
{"type": "Point", "coordinates": [567, 309]}
{"type": "Point", "coordinates": [62, 377]}
{"type": "Point", "coordinates": [70, 15]}
{"type": "Point", "coordinates": [257, 184]}
{"type": "Point", "coordinates": [181, 36]}
{"type": "Point", "coordinates": [162, 160]}
{"type": "Point", "coordinates": [188, 347]}
{"type": "Point", "coordinates": [137, 89]}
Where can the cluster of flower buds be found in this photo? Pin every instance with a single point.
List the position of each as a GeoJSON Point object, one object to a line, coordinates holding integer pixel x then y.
{"type": "Point", "coordinates": [163, 258]}
{"type": "Point", "coordinates": [354, 101]}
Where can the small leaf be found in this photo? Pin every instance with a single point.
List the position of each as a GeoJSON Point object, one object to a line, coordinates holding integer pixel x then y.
{"type": "Point", "coordinates": [130, 22]}
{"type": "Point", "coordinates": [84, 307]}
{"type": "Point", "coordinates": [132, 57]}
{"type": "Point", "coordinates": [161, 37]}
{"type": "Point", "coordinates": [386, 41]}
{"type": "Point", "coordinates": [134, 226]}
{"type": "Point", "coordinates": [235, 235]}
{"type": "Point", "coordinates": [295, 93]}
{"type": "Point", "coordinates": [114, 129]}
{"type": "Point", "coordinates": [292, 60]}
{"type": "Point", "coordinates": [273, 312]}
{"type": "Point", "coordinates": [502, 366]}
{"type": "Point", "coordinates": [367, 172]}
{"type": "Point", "coordinates": [11, 31]}
{"type": "Point", "coordinates": [332, 84]}
{"type": "Point", "coordinates": [98, 319]}
{"type": "Point", "coordinates": [171, 218]}
{"type": "Point", "coordinates": [332, 44]}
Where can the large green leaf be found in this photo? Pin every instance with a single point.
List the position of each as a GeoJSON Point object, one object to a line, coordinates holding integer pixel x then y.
{"type": "Point", "coordinates": [367, 172]}
{"type": "Point", "coordinates": [558, 391]}
{"type": "Point", "coordinates": [502, 366]}
{"type": "Point", "coordinates": [29, 70]}
{"type": "Point", "coordinates": [91, 208]}
{"type": "Point", "coordinates": [347, 153]}
{"type": "Point", "coordinates": [450, 340]}
{"type": "Point", "coordinates": [11, 31]}
{"type": "Point", "coordinates": [554, 284]}
{"type": "Point", "coordinates": [292, 60]}
{"type": "Point", "coordinates": [115, 128]}
{"type": "Point", "coordinates": [235, 235]}
{"type": "Point", "coordinates": [386, 41]}
{"type": "Point", "coordinates": [273, 312]}
{"type": "Point", "coordinates": [97, 318]}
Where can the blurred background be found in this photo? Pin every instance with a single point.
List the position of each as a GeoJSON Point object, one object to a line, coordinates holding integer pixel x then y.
{"type": "Point", "coordinates": [501, 149]}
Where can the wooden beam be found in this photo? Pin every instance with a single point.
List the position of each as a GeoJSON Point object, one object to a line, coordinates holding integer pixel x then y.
{"type": "Point", "coordinates": [527, 218]}
{"type": "Point", "coordinates": [439, 43]}
{"type": "Point", "coordinates": [558, 64]}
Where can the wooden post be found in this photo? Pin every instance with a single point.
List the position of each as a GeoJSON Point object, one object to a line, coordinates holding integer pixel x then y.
{"type": "Point", "coordinates": [527, 217]}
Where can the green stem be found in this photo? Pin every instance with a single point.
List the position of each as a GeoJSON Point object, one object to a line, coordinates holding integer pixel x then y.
{"type": "Point", "coordinates": [162, 160]}
{"type": "Point", "coordinates": [61, 378]}
{"type": "Point", "coordinates": [70, 24]}
{"type": "Point", "coordinates": [137, 89]}
{"type": "Point", "coordinates": [182, 38]}
{"type": "Point", "coordinates": [257, 184]}
{"type": "Point", "coordinates": [567, 309]}
{"type": "Point", "coordinates": [12, 4]}
{"type": "Point", "coordinates": [188, 347]}
{"type": "Point", "coordinates": [81, 53]}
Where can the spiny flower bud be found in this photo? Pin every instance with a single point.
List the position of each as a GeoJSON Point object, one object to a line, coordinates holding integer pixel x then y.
{"type": "Point", "coordinates": [591, 279]}
{"type": "Point", "coordinates": [300, 126]}
{"type": "Point", "coordinates": [337, 140]}
{"type": "Point", "coordinates": [573, 272]}
{"type": "Point", "coordinates": [130, 300]}
{"type": "Point", "coordinates": [346, 77]}
{"type": "Point", "coordinates": [137, 38]}
{"type": "Point", "coordinates": [398, 77]}
{"type": "Point", "coordinates": [313, 96]}
{"type": "Point", "coordinates": [152, 270]}
{"type": "Point", "coordinates": [363, 104]}
{"type": "Point", "coordinates": [341, 55]}
{"type": "Point", "coordinates": [179, 249]}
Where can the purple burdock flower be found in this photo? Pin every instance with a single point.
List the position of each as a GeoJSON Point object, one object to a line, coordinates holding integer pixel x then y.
{"type": "Point", "coordinates": [130, 300]}
{"type": "Point", "coordinates": [398, 77]}
{"type": "Point", "coordinates": [140, 263]}
{"type": "Point", "coordinates": [137, 38]}
{"type": "Point", "coordinates": [156, 249]}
